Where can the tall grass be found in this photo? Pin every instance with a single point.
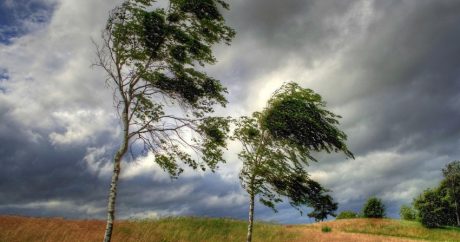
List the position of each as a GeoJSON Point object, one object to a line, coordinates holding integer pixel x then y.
{"type": "Point", "coordinates": [181, 229]}
{"type": "Point", "coordinates": [189, 229]}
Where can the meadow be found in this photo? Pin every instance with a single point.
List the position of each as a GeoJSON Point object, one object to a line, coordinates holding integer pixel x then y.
{"type": "Point", "coordinates": [194, 229]}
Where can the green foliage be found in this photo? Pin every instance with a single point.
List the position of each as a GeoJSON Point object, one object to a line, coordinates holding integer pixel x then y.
{"type": "Point", "coordinates": [274, 159]}
{"type": "Point", "coordinates": [326, 229]}
{"type": "Point", "coordinates": [438, 207]}
{"type": "Point", "coordinates": [297, 116]}
{"type": "Point", "coordinates": [374, 208]}
{"type": "Point", "coordinates": [435, 208]}
{"type": "Point", "coordinates": [153, 58]}
{"type": "Point", "coordinates": [347, 214]}
{"type": "Point", "coordinates": [323, 206]}
{"type": "Point", "coordinates": [452, 186]}
{"type": "Point", "coordinates": [408, 213]}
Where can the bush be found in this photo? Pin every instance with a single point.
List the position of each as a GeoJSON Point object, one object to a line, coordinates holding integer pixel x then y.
{"type": "Point", "coordinates": [326, 229]}
{"type": "Point", "coordinates": [374, 208]}
{"type": "Point", "coordinates": [347, 215]}
{"type": "Point", "coordinates": [408, 213]}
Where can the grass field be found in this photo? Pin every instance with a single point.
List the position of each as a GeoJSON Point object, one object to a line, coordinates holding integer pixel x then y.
{"type": "Point", "coordinates": [391, 227]}
{"type": "Point", "coordinates": [184, 229]}
{"type": "Point", "coordinates": [13, 228]}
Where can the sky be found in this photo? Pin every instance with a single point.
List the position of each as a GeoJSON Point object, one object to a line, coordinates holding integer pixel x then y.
{"type": "Point", "coordinates": [391, 69]}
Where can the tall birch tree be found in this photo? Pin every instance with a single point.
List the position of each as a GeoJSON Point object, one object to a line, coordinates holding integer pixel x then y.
{"type": "Point", "coordinates": [277, 146]}
{"type": "Point", "coordinates": [154, 57]}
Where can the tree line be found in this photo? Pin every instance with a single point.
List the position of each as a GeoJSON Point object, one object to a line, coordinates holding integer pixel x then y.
{"type": "Point", "coordinates": [372, 208]}
{"type": "Point", "coordinates": [438, 206]}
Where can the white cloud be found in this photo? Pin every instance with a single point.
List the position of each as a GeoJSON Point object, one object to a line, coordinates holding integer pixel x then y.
{"type": "Point", "coordinates": [144, 166]}
{"type": "Point", "coordinates": [228, 200]}
{"type": "Point", "coordinates": [390, 174]}
{"type": "Point", "coordinates": [59, 205]}
{"type": "Point", "coordinates": [50, 70]}
{"type": "Point", "coordinates": [98, 161]}
{"type": "Point", "coordinates": [81, 126]}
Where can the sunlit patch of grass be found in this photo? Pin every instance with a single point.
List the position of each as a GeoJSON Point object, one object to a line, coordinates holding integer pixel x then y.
{"type": "Point", "coordinates": [204, 229]}
{"type": "Point", "coordinates": [396, 228]}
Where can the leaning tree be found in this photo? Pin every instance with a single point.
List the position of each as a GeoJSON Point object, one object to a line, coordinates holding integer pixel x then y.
{"type": "Point", "coordinates": [154, 57]}
{"type": "Point", "coordinates": [277, 146]}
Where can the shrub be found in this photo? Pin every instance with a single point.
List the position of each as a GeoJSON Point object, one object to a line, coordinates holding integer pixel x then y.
{"type": "Point", "coordinates": [374, 208]}
{"type": "Point", "coordinates": [407, 213]}
{"type": "Point", "coordinates": [326, 229]}
{"type": "Point", "coordinates": [347, 215]}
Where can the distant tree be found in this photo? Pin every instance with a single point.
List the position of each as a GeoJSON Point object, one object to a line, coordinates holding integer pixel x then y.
{"type": "Point", "coordinates": [407, 212]}
{"type": "Point", "coordinates": [347, 214]}
{"type": "Point", "coordinates": [435, 207]}
{"type": "Point", "coordinates": [153, 57]}
{"type": "Point", "coordinates": [452, 179]}
{"type": "Point", "coordinates": [323, 206]}
{"type": "Point", "coordinates": [276, 148]}
{"type": "Point", "coordinates": [374, 208]}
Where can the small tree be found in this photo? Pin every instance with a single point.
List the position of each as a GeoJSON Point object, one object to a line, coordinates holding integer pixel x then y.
{"type": "Point", "coordinates": [323, 206]}
{"type": "Point", "coordinates": [347, 214]}
{"type": "Point", "coordinates": [452, 179]}
{"type": "Point", "coordinates": [374, 208]}
{"type": "Point", "coordinates": [150, 55]}
{"type": "Point", "coordinates": [276, 148]}
{"type": "Point", "coordinates": [407, 212]}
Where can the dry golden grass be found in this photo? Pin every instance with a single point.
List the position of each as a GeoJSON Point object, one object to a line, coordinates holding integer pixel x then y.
{"type": "Point", "coordinates": [21, 229]}
{"type": "Point", "coordinates": [13, 228]}
{"type": "Point", "coordinates": [389, 228]}
{"type": "Point", "coordinates": [314, 234]}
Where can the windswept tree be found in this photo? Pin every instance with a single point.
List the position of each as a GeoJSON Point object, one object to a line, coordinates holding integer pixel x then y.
{"type": "Point", "coordinates": [277, 146]}
{"type": "Point", "coordinates": [153, 57]}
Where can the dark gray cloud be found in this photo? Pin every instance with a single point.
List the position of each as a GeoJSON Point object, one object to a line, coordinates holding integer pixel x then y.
{"type": "Point", "coordinates": [401, 100]}
{"type": "Point", "coordinates": [390, 68]}
{"type": "Point", "coordinates": [272, 33]}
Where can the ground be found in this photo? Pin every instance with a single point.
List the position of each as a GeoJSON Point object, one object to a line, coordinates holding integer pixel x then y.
{"type": "Point", "coordinates": [15, 228]}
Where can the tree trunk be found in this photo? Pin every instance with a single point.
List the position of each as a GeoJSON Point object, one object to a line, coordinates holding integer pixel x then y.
{"type": "Point", "coordinates": [457, 214]}
{"type": "Point", "coordinates": [113, 195]}
{"type": "Point", "coordinates": [251, 217]}
{"type": "Point", "coordinates": [113, 185]}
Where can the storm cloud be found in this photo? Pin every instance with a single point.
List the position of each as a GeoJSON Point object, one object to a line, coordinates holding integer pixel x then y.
{"type": "Point", "coordinates": [391, 69]}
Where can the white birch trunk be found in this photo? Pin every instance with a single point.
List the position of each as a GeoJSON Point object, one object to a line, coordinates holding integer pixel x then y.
{"type": "Point", "coordinates": [116, 172]}
{"type": "Point", "coordinates": [251, 217]}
